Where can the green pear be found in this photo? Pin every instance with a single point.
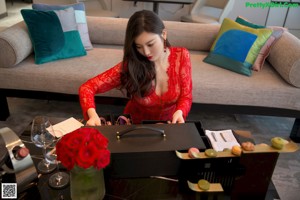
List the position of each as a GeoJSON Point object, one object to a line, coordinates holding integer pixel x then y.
{"type": "Point", "coordinates": [211, 153]}
{"type": "Point", "coordinates": [203, 184]}
{"type": "Point", "coordinates": [278, 142]}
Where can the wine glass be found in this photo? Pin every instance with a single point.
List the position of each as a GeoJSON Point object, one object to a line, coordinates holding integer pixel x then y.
{"type": "Point", "coordinates": [42, 136]}
{"type": "Point", "coordinates": [59, 179]}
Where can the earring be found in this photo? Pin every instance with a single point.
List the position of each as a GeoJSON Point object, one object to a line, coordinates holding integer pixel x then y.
{"type": "Point", "coordinates": [165, 45]}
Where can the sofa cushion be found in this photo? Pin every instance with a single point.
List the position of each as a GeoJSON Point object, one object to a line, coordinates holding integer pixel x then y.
{"type": "Point", "coordinates": [192, 36]}
{"type": "Point", "coordinates": [79, 15]}
{"type": "Point", "coordinates": [215, 85]}
{"type": "Point", "coordinates": [265, 50]}
{"type": "Point", "coordinates": [212, 85]}
{"type": "Point", "coordinates": [236, 47]}
{"type": "Point", "coordinates": [66, 75]}
{"type": "Point", "coordinates": [54, 34]}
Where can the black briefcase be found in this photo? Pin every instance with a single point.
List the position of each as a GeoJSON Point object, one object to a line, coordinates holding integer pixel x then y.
{"type": "Point", "coordinates": [148, 149]}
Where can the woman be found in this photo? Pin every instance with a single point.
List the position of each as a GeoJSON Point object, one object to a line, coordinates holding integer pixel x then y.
{"type": "Point", "coordinates": [155, 76]}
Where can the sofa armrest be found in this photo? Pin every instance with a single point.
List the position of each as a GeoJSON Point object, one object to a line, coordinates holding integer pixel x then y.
{"type": "Point", "coordinates": [285, 58]}
{"type": "Point", "coordinates": [15, 45]}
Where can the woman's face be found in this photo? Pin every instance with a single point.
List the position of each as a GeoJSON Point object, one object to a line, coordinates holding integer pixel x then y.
{"type": "Point", "coordinates": [150, 45]}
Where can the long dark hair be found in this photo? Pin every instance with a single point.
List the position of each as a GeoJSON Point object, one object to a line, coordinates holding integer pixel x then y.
{"type": "Point", "coordinates": [138, 72]}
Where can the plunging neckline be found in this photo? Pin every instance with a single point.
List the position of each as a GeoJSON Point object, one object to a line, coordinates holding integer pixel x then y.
{"type": "Point", "coordinates": [168, 77]}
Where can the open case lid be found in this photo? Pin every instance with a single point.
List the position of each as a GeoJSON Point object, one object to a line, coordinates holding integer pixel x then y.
{"type": "Point", "coordinates": [149, 137]}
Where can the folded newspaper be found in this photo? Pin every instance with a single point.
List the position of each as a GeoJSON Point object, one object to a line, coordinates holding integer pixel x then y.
{"type": "Point", "coordinates": [221, 139]}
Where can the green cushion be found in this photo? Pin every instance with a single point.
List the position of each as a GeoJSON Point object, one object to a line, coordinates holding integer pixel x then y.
{"type": "Point", "coordinates": [54, 34]}
{"type": "Point", "coordinates": [236, 47]}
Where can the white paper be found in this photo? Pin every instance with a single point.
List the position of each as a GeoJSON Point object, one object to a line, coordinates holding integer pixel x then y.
{"type": "Point", "coordinates": [218, 142]}
{"type": "Point", "coordinates": [66, 126]}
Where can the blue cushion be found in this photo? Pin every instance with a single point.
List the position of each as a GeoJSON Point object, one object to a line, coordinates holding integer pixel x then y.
{"type": "Point", "coordinates": [54, 34]}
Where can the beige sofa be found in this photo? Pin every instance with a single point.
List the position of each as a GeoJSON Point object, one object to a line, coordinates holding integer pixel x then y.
{"type": "Point", "coordinates": [272, 91]}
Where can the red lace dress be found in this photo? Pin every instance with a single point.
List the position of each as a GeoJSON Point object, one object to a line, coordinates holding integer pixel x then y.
{"type": "Point", "coordinates": [152, 107]}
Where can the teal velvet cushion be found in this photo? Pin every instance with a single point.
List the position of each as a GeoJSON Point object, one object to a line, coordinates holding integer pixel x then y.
{"type": "Point", "coordinates": [236, 47]}
{"type": "Point", "coordinates": [53, 34]}
{"type": "Point", "coordinates": [245, 22]}
{"type": "Point", "coordinates": [80, 18]}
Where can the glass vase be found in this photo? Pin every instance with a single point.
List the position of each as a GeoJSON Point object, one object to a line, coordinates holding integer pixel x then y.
{"type": "Point", "coordinates": [87, 184]}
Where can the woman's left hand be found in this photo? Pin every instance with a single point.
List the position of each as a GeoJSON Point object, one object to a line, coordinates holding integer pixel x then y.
{"type": "Point", "coordinates": [178, 117]}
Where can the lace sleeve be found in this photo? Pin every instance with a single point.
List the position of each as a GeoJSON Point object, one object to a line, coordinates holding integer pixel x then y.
{"type": "Point", "coordinates": [101, 83]}
{"type": "Point", "coordinates": [185, 100]}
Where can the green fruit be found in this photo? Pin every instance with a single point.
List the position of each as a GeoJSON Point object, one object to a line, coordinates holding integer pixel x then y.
{"type": "Point", "coordinates": [211, 153]}
{"type": "Point", "coordinates": [203, 184]}
{"type": "Point", "coordinates": [278, 142]}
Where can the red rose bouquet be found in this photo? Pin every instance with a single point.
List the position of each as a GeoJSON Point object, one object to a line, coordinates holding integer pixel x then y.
{"type": "Point", "coordinates": [84, 147]}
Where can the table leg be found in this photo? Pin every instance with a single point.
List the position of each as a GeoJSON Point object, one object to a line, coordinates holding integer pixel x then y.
{"type": "Point", "coordinates": [155, 7]}
{"type": "Point", "coordinates": [4, 110]}
{"type": "Point", "coordinates": [295, 134]}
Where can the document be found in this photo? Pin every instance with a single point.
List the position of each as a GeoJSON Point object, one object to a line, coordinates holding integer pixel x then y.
{"type": "Point", "coordinates": [221, 139]}
{"type": "Point", "coordinates": [66, 126]}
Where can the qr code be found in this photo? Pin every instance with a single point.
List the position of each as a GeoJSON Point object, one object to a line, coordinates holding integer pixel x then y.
{"type": "Point", "coordinates": [9, 191]}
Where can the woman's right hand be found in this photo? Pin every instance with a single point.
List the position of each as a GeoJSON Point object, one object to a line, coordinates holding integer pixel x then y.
{"type": "Point", "coordinates": [94, 119]}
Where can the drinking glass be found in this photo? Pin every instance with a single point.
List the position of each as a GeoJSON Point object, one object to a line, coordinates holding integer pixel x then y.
{"type": "Point", "coordinates": [42, 136]}
{"type": "Point", "coordinates": [59, 179]}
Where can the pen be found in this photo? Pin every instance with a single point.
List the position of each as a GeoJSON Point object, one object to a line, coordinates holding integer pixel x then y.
{"type": "Point", "coordinates": [223, 137]}
{"type": "Point", "coordinates": [214, 136]}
